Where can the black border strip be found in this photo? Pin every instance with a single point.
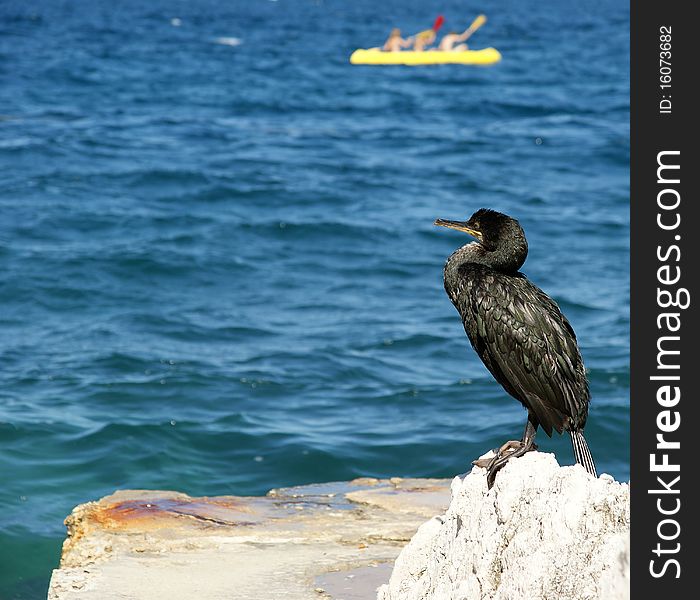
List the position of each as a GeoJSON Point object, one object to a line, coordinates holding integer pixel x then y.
{"type": "Point", "coordinates": [664, 266]}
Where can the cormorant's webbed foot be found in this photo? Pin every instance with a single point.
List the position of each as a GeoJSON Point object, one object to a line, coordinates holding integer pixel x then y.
{"type": "Point", "coordinates": [498, 462]}
{"type": "Point", "coordinates": [511, 449]}
{"type": "Point", "coordinates": [504, 450]}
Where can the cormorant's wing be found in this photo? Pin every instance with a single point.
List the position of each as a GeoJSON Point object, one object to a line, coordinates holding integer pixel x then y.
{"type": "Point", "coordinates": [526, 342]}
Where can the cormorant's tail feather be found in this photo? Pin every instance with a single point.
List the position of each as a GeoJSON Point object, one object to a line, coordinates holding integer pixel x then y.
{"type": "Point", "coordinates": [582, 452]}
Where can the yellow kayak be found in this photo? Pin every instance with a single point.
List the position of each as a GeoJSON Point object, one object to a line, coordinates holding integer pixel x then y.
{"type": "Point", "coordinates": [375, 56]}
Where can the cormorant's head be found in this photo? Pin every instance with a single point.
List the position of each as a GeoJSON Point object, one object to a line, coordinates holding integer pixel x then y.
{"type": "Point", "coordinates": [495, 232]}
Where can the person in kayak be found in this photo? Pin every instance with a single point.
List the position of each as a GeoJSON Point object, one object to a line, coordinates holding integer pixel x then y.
{"type": "Point", "coordinates": [395, 43]}
{"type": "Point", "coordinates": [423, 39]}
{"type": "Point", "coordinates": [450, 42]}
{"type": "Point", "coordinates": [454, 42]}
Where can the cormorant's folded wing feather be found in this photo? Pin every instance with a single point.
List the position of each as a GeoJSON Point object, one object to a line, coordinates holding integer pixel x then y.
{"type": "Point", "coordinates": [527, 344]}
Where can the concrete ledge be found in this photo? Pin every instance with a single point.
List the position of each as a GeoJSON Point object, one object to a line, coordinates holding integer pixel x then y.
{"type": "Point", "coordinates": [319, 541]}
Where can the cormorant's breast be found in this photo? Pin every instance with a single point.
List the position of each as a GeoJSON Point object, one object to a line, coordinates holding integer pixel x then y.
{"type": "Point", "coordinates": [524, 340]}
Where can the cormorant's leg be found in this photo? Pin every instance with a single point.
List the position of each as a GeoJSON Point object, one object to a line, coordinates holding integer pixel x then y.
{"type": "Point", "coordinates": [526, 445]}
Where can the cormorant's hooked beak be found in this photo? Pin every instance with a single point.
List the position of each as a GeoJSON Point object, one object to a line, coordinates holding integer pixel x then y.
{"type": "Point", "coordinates": [460, 226]}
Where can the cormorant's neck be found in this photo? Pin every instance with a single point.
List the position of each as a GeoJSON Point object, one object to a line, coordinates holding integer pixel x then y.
{"type": "Point", "coordinates": [504, 258]}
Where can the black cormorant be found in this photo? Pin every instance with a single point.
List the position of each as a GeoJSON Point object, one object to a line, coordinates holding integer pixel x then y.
{"type": "Point", "coordinates": [519, 333]}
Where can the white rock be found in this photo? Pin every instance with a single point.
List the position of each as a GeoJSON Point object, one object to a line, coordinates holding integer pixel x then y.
{"type": "Point", "coordinates": [542, 532]}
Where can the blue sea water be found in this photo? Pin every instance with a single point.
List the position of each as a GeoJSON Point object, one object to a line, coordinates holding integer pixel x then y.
{"type": "Point", "coordinates": [218, 269]}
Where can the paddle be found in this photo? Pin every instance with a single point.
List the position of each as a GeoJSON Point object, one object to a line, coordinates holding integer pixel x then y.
{"type": "Point", "coordinates": [478, 22]}
{"type": "Point", "coordinates": [439, 20]}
